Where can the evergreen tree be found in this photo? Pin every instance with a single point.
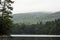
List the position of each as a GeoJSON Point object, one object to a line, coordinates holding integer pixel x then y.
{"type": "Point", "coordinates": [5, 21]}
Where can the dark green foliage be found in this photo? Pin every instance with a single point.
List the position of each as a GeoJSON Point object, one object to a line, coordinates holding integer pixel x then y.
{"type": "Point", "coordinates": [50, 27]}
{"type": "Point", "coordinates": [6, 26]}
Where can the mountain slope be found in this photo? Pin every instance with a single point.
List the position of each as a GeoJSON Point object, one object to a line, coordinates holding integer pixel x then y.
{"type": "Point", "coordinates": [34, 17]}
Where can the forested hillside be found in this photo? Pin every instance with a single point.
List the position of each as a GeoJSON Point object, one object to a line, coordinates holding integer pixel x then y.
{"type": "Point", "coordinates": [34, 17]}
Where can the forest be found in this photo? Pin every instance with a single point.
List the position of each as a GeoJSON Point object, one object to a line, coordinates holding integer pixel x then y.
{"type": "Point", "coordinates": [50, 27]}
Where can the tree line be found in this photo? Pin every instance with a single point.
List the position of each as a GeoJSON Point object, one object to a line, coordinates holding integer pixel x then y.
{"type": "Point", "coordinates": [50, 27]}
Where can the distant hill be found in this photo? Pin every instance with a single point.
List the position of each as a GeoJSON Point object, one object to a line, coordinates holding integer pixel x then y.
{"type": "Point", "coordinates": [34, 17]}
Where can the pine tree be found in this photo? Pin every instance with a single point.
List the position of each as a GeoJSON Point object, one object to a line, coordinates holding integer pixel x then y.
{"type": "Point", "coordinates": [5, 20]}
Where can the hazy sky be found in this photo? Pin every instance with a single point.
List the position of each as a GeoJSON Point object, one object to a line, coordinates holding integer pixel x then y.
{"type": "Point", "coordinates": [23, 6]}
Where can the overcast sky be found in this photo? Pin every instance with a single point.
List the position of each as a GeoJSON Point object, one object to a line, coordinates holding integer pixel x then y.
{"type": "Point", "coordinates": [23, 6]}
